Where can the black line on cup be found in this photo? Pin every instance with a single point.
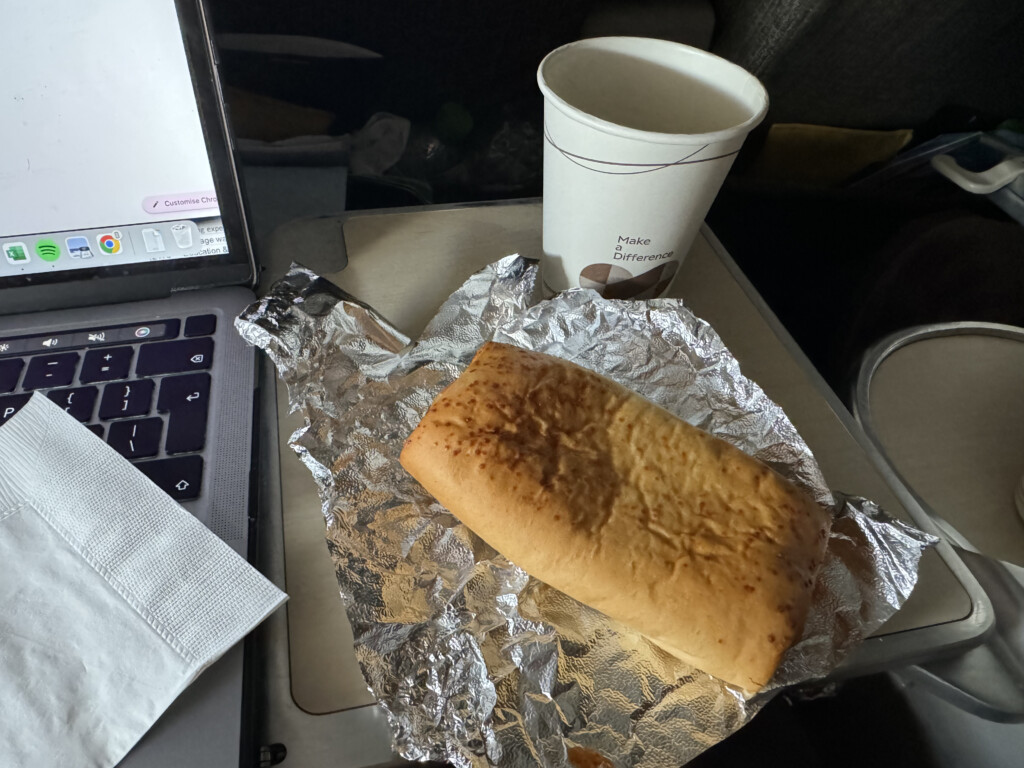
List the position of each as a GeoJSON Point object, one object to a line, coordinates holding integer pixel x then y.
{"type": "Point", "coordinates": [645, 167]}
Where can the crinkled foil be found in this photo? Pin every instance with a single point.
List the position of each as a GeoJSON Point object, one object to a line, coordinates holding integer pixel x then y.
{"type": "Point", "coordinates": [475, 662]}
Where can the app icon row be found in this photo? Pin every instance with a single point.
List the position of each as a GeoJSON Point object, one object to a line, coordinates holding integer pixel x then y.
{"type": "Point", "coordinates": [112, 243]}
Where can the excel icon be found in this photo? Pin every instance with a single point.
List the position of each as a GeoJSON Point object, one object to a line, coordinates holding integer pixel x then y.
{"type": "Point", "coordinates": [16, 253]}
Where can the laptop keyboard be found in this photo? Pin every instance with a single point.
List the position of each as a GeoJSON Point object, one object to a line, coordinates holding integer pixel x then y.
{"type": "Point", "coordinates": [144, 388]}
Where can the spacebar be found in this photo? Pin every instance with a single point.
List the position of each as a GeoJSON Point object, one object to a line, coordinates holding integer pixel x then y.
{"type": "Point", "coordinates": [181, 477]}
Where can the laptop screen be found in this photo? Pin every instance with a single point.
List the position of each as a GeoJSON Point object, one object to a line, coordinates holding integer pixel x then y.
{"type": "Point", "coordinates": [104, 163]}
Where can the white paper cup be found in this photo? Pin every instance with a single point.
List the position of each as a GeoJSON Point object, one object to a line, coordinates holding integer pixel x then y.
{"type": "Point", "coordinates": [638, 137]}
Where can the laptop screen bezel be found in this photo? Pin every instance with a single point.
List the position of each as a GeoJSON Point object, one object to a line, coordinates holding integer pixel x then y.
{"type": "Point", "coordinates": [139, 281]}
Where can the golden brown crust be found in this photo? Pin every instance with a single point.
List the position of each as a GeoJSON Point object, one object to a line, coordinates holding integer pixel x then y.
{"type": "Point", "coordinates": [619, 504]}
{"type": "Point", "coordinates": [580, 757]}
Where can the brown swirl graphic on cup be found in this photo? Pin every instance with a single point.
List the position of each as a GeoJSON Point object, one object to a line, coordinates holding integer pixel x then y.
{"type": "Point", "coordinates": [615, 282]}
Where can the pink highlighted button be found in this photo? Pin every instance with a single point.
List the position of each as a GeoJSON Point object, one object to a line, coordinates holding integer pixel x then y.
{"type": "Point", "coordinates": [161, 205]}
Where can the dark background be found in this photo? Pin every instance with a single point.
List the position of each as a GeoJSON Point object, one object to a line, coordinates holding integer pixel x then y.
{"type": "Point", "coordinates": [869, 64]}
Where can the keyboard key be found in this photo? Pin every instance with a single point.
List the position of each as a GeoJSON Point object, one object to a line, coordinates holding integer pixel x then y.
{"type": "Point", "coordinates": [50, 371]}
{"type": "Point", "coordinates": [188, 392]}
{"type": "Point", "coordinates": [95, 337]}
{"type": "Point", "coordinates": [175, 356]}
{"type": "Point", "coordinates": [136, 438]}
{"type": "Point", "coordinates": [186, 431]}
{"type": "Point", "coordinates": [12, 346]}
{"type": "Point", "coordinates": [164, 329]}
{"type": "Point", "coordinates": [78, 401]}
{"type": "Point", "coordinates": [106, 364]}
{"type": "Point", "coordinates": [96, 429]}
{"type": "Point", "coordinates": [10, 405]}
{"type": "Point", "coordinates": [51, 343]}
{"type": "Point", "coordinates": [186, 398]}
{"type": "Point", "coordinates": [200, 325]}
{"type": "Point", "coordinates": [10, 370]}
{"type": "Point", "coordinates": [129, 398]}
{"type": "Point", "coordinates": [181, 477]}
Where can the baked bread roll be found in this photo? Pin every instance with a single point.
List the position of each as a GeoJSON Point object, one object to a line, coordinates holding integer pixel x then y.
{"type": "Point", "coordinates": [616, 502]}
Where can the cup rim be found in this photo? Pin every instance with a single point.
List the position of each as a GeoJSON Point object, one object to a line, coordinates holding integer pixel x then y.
{"type": "Point", "coordinates": [616, 129]}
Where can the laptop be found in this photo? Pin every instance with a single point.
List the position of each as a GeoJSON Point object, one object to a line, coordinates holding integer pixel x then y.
{"type": "Point", "coordinates": [124, 258]}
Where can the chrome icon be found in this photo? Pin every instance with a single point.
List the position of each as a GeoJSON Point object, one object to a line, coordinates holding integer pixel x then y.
{"type": "Point", "coordinates": [110, 243]}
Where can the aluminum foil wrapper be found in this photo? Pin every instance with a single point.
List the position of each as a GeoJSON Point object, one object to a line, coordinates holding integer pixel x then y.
{"type": "Point", "coordinates": [475, 662]}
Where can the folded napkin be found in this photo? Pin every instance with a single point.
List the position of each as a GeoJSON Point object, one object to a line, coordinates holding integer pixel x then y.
{"type": "Point", "coordinates": [112, 597]}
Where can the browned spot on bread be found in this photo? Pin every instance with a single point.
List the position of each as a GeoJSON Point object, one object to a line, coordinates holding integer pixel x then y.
{"type": "Point", "coordinates": [580, 757]}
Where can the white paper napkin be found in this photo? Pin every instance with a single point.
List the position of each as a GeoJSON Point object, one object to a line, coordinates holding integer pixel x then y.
{"type": "Point", "coordinates": [112, 597]}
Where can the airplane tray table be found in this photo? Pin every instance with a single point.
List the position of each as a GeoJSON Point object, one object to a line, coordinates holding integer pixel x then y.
{"type": "Point", "coordinates": [404, 263]}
